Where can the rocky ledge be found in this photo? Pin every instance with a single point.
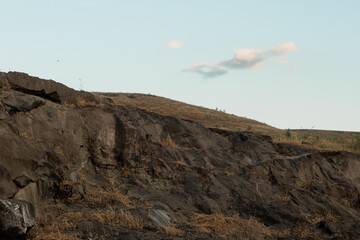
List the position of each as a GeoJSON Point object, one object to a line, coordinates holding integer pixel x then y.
{"type": "Point", "coordinates": [94, 170]}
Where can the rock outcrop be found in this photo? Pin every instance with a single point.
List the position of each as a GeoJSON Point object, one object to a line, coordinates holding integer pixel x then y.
{"type": "Point", "coordinates": [16, 219]}
{"type": "Point", "coordinates": [100, 170]}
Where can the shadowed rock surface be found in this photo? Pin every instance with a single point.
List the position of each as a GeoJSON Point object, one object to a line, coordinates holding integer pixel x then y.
{"type": "Point", "coordinates": [111, 170]}
{"type": "Point", "coordinates": [16, 219]}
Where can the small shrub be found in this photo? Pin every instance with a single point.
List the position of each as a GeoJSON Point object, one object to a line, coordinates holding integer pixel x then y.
{"type": "Point", "coordinates": [132, 96]}
{"type": "Point", "coordinates": [288, 133]}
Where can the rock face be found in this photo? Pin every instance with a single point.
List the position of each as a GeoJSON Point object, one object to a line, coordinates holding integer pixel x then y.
{"type": "Point", "coordinates": [99, 160]}
{"type": "Point", "coordinates": [16, 218]}
{"type": "Point", "coordinates": [46, 89]}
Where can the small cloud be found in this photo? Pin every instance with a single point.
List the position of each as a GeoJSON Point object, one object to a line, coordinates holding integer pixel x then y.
{"type": "Point", "coordinates": [282, 49]}
{"type": "Point", "coordinates": [174, 44]}
{"type": "Point", "coordinates": [206, 70]}
{"type": "Point", "coordinates": [245, 58]}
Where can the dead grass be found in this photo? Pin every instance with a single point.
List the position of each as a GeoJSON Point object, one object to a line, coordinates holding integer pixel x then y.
{"type": "Point", "coordinates": [50, 227]}
{"type": "Point", "coordinates": [329, 216]}
{"type": "Point", "coordinates": [172, 231]}
{"type": "Point", "coordinates": [55, 236]}
{"type": "Point", "coordinates": [168, 142]}
{"type": "Point", "coordinates": [230, 226]}
{"type": "Point", "coordinates": [99, 196]}
{"type": "Point", "coordinates": [235, 227]}
{"type": "Point", "coordinates": [125, 219]}
{"type": "Point", "coordinates": [61, 226]}
{"type": "Point", "coordinates": [79, 103]}
{"type": "Point", "coordinates": [181, 163]}
{"type": "Point", "coordinates": [116, 217]}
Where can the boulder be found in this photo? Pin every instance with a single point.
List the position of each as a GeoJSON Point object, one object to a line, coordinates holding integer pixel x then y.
{"type": "Point", "coordinates": [159, 218]}
{"type": "Point", "coordinates": [17, 217]}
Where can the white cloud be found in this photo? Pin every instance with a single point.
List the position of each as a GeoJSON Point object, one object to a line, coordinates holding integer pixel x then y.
{"type": "Point", "coordinates": [206, 70]}
{"type": "Point", "coordinates": [174, 44]}
{"type": "Point", "coordinates": [283, 48]}
{"type": "Point", "coordinates": [245, 58]}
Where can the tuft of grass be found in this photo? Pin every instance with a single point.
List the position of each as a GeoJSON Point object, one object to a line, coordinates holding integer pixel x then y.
{"type": "Point", "coordinates": [116, 217]}
{"type": "Point", "coordinates": [99, 196]}
{"type": "Point", "coordinates": [168, 142]}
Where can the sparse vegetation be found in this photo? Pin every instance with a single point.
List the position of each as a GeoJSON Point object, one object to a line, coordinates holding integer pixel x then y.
{"type": "Point", "coordinates": [316, 139]}
{"type": "Point", "coordinates": [230, 227]}
{"type": "Point", "coordinates": [173, 231]}
{"type": "Point", "coordinates": [288, 133]}
{"type": "Point", "coordinates": [329, 216]}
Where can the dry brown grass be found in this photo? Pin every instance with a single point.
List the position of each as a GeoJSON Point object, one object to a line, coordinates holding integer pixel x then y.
{"type": "Point", "coordinates": [172, 231]}
{"type": "Point", "coordinates": [79, 103]}
{"type": "Point", "coordinates": [329, 216]}
{"type": "Point", "coordinates": [116, 217]}
{"type": "Point", "coordinates": [168, 142]}
{"type": "Point", "coordinates": [57, 235]}
{"type": "Point", "coordinates": [125, 219]}
{"type": "Point", "coordinates": [181, 163]}
{"type": "Point", "coordinates": [50, 227]}
{"type": "Point", "coordinates": [99, 196]}
{"type": "Point", "coordinates": [235, 227]}
{"type": "Point", "coordinates": [230, 226]}
{"type": "Point", "coordinates": [61, 226]}
{"type": "Point", "coordinates": [316, 139]}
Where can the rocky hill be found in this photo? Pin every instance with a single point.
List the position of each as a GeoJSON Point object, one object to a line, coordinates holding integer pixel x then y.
{"type": "Point", "coordinates": [92, 169]}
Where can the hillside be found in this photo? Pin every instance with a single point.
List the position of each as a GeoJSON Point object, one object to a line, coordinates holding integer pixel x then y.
{"type": "Point", "coordinates": [316, 139]}
{"type": "Point", "coordinates": [76, 166]}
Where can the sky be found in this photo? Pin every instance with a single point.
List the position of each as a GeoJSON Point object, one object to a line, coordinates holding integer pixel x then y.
{"type": "Point", "coordinates": [289, 64]}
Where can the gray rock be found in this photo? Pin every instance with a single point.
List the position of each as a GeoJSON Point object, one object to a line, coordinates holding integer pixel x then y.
{"type": "Point", "coordinates": [47, 89]}
{"type": "Point", "coordinates": [16, 218]}
{"type": "Point", "coordinates": [15, 102]}
{"type": "Point", "coordinates": [159, 218]}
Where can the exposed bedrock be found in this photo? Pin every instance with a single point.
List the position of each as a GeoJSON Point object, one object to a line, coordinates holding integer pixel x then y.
{"type": "Point", "coordinates": [53, 153]}
{"type": "Point", "coordinates": [16, 219]}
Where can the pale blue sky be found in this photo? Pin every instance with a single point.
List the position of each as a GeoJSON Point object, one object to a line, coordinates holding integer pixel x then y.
{"type": "Point", "coordinates": [121, 46]}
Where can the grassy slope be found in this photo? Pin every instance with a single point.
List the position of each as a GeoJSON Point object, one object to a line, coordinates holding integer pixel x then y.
{"type": "Point", "coordinates": [318, 139]}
